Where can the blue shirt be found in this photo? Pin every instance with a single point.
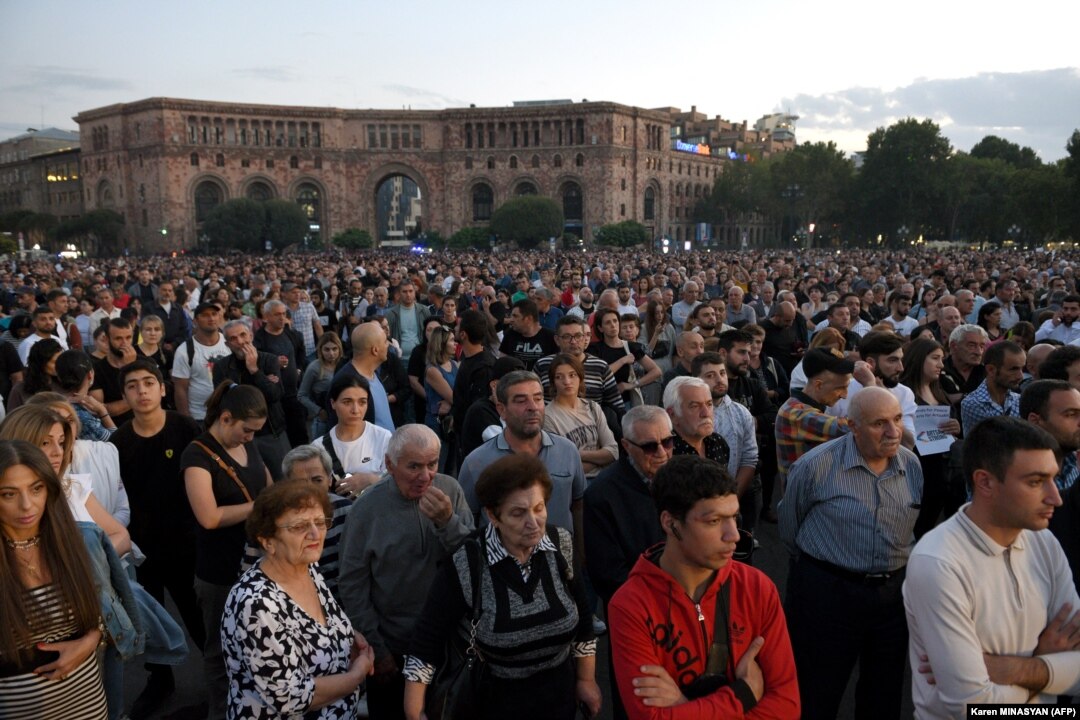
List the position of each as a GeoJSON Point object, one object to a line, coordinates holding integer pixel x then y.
{"type": "Point", "coordinates": [838, 510]}
{"type": "Point", "coordinates": [383, 418]}
{"type": "Point", "coordinates": [560, 457]}
{"type": "Point", "coordinates": [979, 406]}
{"type": "Point", "coordinates": [551, 318]}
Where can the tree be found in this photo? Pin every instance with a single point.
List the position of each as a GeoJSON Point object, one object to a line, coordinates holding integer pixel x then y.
{"type": "Point", "coordinates": [624, 234]}
{"type": "Point", "coordinates": [823, 177]}
{"type": "Point", "coordinates": [477, 238]}
{"type": "Point", "coordinates": [902, 179]}
{"type": "Point", "coordinates": [992, 147]}
{"type": "Point", "coordinates": [1071, 167]}
{"type": "Point", "coordinates": [1042, 198]}
{"type": "Point", "coordinates": [286, 223]}
{"type": "Point", "coordinates": [97, 233]}
{"type": "Point", "coordinates": [353, 239]}
{"type": "Point", "coordinates": [237, 223]}
{"type": "Point", "coordinates": [528, 220]}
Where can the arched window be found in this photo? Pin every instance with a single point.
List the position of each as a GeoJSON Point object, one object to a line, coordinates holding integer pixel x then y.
{"type": "Point", "coordinates": [483, 199]}
{"type": "Point", "coordinates": [294, 162]}
{"type": "Point", "coordinates": [536, 161]}
{"type": "Point", "coordinates": [207, 197]}
{"type": "Point", "coordinates": [525, 188]}
{"type": "Point", "coordinates": [194, 159]}
{"type": "Point", "coordinates": [513, 162]}
{"type": "Point", "coordinates": [557, 161]}
{"type": "Point", "coordinates": [259, 191]}
{"type": "Point", "coordinates": [307, 197]}
{"type": "Point", "coordinates": [105, 195]}
{"type": "Point", "coordinates": [468, 163]}
{"type": "Point", "coordinates": [572, 202]}
{"type": "Point", "coordinates": [219, 160]}
{"type": "Point", "coordinates": [318, 163]}
{"type": "Point", "coordinates": [491, 163]}
{"type": "Point", "coordinates": [650, 204]}
{"type": "Point", "coordinates": [579, 160]}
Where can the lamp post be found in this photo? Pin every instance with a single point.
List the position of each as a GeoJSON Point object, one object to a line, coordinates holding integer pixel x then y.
{"type": "Point", "coordinates": [1014, 232]}
{"type": "Point", "coordinates": [902, 232]}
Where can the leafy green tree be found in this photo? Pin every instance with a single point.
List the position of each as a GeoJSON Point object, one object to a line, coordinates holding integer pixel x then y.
{"type": "Point", "coordinates": [902, 179]}
{"type": "Point", "coordinates": [353, 239]}
{"type": "Point", "coordinates": [992, 147]}
{"type": "Point", "coordinates": [286, 223]}
{"type": "Point", "coordinates": [238, 223]}
{"type": "Point", "coordinates": [97, 233]}
{"type": "Point", "coordinates": [12, 222]}
{"type": "Point", "coordinates": [477, 238]}
{"type": "Point", "coordinates": [1042, 199]}
{"type": "Point", "coordinates": [823, 176]}
{"type": "Point", "coordinates": [8, 245]}
{"type": "Point", "coordinates": [623, 234]}
{"type": "Point", "coordinates": [1071, 167]}
{"type": "Point", "coordinates": [528, 220]}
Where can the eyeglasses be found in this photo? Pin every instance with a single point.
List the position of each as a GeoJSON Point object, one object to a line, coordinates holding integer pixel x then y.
{"type": "Point", "coordinates": [650, 448]}
{"type": "Point", "coordinates": [573, 338]}
{"type": "Point", "coordinates": [300, 527]}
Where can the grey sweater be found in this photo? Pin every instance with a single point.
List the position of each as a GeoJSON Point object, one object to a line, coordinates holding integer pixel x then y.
{"type": "Point", "coordinates": [389, 554]}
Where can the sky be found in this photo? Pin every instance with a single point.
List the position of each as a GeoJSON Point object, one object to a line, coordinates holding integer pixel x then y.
{"type": "Point", "coordinates": [845, 67]}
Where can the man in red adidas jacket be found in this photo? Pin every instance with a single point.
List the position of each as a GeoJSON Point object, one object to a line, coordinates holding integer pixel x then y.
{"type": "Point", "coordinates": [670, 661]}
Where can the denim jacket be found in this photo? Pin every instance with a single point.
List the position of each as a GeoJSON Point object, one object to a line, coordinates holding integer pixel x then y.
{"type": "Point", "coordinates": [118, 609]}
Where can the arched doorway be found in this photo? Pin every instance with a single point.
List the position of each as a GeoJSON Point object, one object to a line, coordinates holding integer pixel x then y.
{"type": "Point", "coordinates": [309, 198]}
{"type": "Point", "coordinates": [573, 206]}
{"type": "Point", "coordinates": [525, 187]}
{"type": "Point", "coordinates": [398, 211]}
{"type": "Point", "coordinates": [259, 190]}
{"type": "Point", "coordinates": [483, 201]}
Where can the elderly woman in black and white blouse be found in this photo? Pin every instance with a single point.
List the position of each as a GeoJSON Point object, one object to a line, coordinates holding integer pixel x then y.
{"type": "Point", "coordinates": [289, 648]}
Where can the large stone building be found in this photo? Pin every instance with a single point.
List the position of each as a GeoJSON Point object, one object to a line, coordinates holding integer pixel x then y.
{"type": "Point", "coordinates": [39, 172]}
{"type": "Point", "coordinates": [166, 163]}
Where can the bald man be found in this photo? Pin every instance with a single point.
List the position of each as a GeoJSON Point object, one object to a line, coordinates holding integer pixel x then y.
{"type": "Point", "coordinates": [848, 517]}
{"type": "Point", "coordinates": [370, 346]}
{"type": "Point", "coordinates": [785, 342]}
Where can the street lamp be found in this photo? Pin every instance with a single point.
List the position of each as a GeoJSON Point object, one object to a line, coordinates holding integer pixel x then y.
{"type": "Point", "coordinates": [902, 232]}
{"type": "Point", "coordinates": [1014, 232]}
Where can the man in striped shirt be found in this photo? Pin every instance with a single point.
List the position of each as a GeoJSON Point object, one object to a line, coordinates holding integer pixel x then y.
{"type": "Point", "coordinates": [848, 518]}
{"type": "Point", "coordinates": [572, 336]}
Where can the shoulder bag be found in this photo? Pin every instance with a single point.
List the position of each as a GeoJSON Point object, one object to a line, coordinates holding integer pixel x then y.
{"type": "Point", "coordinates": [457, 691]}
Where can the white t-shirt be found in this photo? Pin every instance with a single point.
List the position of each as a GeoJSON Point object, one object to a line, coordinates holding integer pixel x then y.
{"type": "Point", "coordinates": [200, 373]}
{"type": "Point", "coordinates": [901, 392]}
{"type": "Point", "coordinates": [366, 453]}
{"type": "Point", "coordinates": [904, 326]}
{"type": "Point", "coordinates": [33, 339]}
{"type": "Point", "coordinates": [81, 485]}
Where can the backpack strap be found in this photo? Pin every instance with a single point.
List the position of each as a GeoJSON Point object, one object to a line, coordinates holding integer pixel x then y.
{"type": "Point", "coordinates": [328, 444]}
{"type": "Point", "coordinates": [189, 344]}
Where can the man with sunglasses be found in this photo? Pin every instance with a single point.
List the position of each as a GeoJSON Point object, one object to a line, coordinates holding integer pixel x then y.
{"type": "Point", "coordinates": [691, 627]}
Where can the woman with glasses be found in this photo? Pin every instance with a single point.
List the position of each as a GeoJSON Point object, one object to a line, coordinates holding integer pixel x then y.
{"type": "Point", "coordinates": [289, 648]}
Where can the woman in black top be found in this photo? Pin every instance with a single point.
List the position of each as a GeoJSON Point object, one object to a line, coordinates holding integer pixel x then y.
{"type": "Point", "coordinates": [620, 355]}
{"type": "Point", "coordinates": [223, 473]}
{"type": "Point", "coordinates": [924, 362]}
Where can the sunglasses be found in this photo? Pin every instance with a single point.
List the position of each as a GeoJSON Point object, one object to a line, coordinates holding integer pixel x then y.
{"type": "Point", "coordinates": [650, 448]}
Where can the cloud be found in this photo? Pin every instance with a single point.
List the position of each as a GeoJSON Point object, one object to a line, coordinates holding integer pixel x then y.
{"type": "Point", "coordinates": [35, 78]}
{"type": "Point", "coordinates": [1039, 109]}
{"type": "Point", "coordinates": [421, 99]}
{"type": "Point", "coordinates": [273, 73]}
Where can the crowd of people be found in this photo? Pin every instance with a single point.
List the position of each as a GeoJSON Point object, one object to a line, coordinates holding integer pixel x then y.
{"type": "Point", "coordinates": [351, 473]}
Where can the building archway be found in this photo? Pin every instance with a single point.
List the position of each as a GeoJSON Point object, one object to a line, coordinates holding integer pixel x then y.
{"type": "Point", "coordinates": [309, 196]}
{"type": "Point", "coordinates": [259, 189]}
{"type": "Point", "coordinates": [206, 192]}
{"type": "Point", "coordinates": [483, 201]}
{"type": "Point", "coordinates": [525, 187]}
{"type": "Point", "coordinates": [395, 195]}
{"type": "Point", "coordinates": [573, 207]}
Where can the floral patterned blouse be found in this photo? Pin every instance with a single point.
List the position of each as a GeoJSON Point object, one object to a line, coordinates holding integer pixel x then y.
{"type": "Point", "coordinates": [274, 650]}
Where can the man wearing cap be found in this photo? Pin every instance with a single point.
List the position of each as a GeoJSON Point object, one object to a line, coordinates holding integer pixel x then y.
{"type": "Point", "coordinates": [847, 517]}
{"type": "Point", "coordinates": [193, 364]}
{"type": "Point", "coordinates": [802, 423]}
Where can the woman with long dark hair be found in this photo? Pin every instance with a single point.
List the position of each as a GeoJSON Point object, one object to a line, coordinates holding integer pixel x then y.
{"type": "Point", "coordinates": [620, 356]}
{"type": "Point", "coordinates": [924, 362]}
{"type": "Point", "coordinates": [40, 372]}
{"type": "Point", "coordinates": [989, 319]}
{"type": "Point", "coordinates": [658, 335]}
{"type": "Point", "coordinates": [50, 633]}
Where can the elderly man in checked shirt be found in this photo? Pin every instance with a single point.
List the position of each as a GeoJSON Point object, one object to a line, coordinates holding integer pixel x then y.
{"type": "Point", "coordinates": [847, 517]}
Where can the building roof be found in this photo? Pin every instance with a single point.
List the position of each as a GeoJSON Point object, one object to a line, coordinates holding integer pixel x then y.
{"type": "Point", "coordinates": [51, 133]}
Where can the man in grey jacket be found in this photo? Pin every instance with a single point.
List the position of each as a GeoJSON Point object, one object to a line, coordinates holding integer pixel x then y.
{"type": "Point", "coordinates": [397, 533]}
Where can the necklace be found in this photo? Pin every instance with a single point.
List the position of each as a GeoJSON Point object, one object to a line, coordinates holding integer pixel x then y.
{"type": "Point", "coordinates": [23, 544]}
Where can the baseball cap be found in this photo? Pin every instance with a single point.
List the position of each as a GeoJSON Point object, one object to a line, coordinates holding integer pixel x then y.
{"type": "Point", "coordinates": [506, 365]}
{"type": "Point", "coordinates": [205, 306]}
{"type": "Point", "coordinates": [819, 360]}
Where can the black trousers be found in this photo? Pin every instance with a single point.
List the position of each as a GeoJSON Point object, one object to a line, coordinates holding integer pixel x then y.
{"type": "Point", "coordinates": [835, 622]}
{"type": "Point", "coordinates": [296, 421]}
{"type": "Point", "coordinates": [172, 568]}
{"type": "Point", "coordinates": [386, 695]}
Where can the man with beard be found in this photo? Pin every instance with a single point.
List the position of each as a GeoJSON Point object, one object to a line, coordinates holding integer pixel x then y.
{"type": "Point", "coordinates": [884, 353]}
{"type": "Point", "coordinates": [784, 341]}
{"type": "Point", "coordinates": [1063, 326]}
{"type": "Point", "coordinates": [107, 387]}
{"type": "Point", "coordinates": [585, 306]}
{"type": "Point", "coordinates": [277, 338]}
{"type": "Point", "coordinates": [519, 398]}
{"type": "Point", "coordinates": [1054, 405]}
{"type": "Point", "coordinates": [838, 317]}
{"type": "Point", "coordinates": [996, 395]}
{"type": "Point", "coordinates": [733, 422]}
{"type": "Point", "coordinates": [989, 604]}
{"type": "Point", "coordinates": [626, 305]}
{"type": "Point", "coordinates": [572, 336]}
{"type": "Point", "coordinates": [44, 324]}
{"type": "Point", "coordinates": [526, 339]}
{"type": "Point", "coordinates": [688, 400]}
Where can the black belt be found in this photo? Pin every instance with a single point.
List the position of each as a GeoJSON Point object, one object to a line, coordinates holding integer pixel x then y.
{"type": "Point", "coordinates": [852, 576]}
